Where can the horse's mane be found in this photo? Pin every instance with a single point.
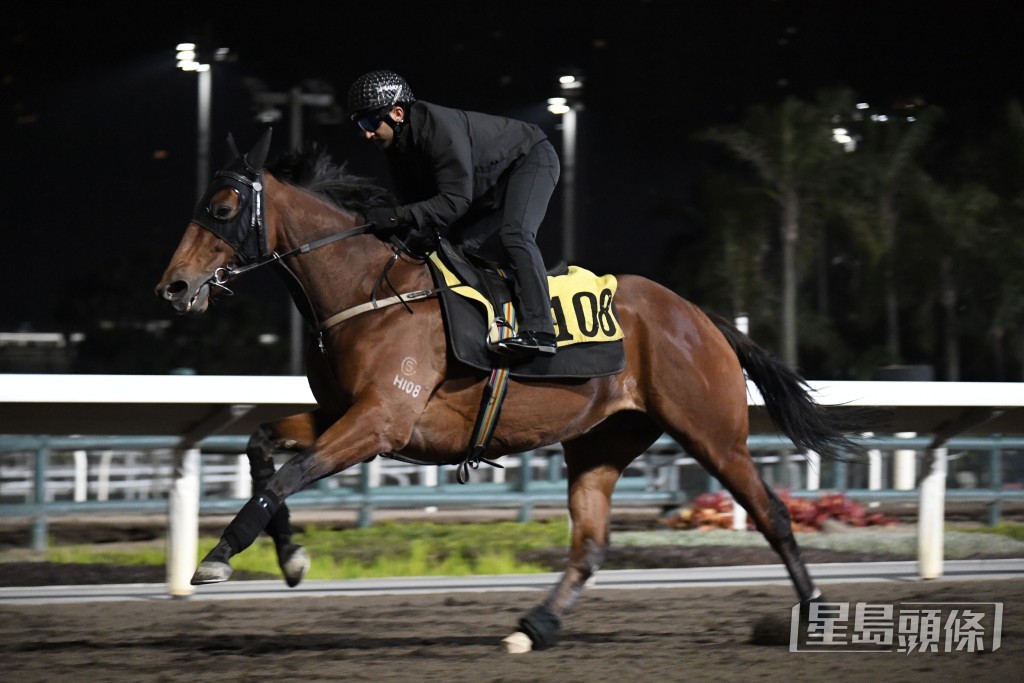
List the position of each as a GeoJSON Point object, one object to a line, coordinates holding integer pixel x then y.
{"type": "Point", "coordinates": [314, 170]}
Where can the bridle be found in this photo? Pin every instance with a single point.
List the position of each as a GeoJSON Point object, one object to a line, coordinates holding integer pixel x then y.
{"type": "Point", "coordinates": [246, 232]}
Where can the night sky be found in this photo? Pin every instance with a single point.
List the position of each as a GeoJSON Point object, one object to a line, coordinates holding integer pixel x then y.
{"type": "Point", "coordinates": [98, 127]}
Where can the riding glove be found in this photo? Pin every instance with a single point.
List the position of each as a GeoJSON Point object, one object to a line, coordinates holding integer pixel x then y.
{"type": "Point", "coordinates": [387, 219]}
{"type": "Point", "coordinates": [421, 241]}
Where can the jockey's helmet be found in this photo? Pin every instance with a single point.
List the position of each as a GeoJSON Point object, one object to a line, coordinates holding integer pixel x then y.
{"type": "Point", "coordinates": [376, 90]}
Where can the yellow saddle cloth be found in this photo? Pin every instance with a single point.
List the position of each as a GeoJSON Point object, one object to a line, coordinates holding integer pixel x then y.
{"type": "Point", "coordinates": [586, 324]}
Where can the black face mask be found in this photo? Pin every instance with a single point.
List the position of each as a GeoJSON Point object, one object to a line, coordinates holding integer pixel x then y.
{"type": "Point", "coordinates": [246, 230]}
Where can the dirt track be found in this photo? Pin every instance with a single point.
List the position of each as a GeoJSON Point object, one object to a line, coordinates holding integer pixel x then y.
{"type": "Point", "coordinates": [701, 634]}
{"type": "Point", "coordinates": [693, 634]}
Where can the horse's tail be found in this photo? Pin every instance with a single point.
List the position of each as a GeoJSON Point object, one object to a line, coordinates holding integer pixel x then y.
{"type": "Point", "coordinates": [826, 430]}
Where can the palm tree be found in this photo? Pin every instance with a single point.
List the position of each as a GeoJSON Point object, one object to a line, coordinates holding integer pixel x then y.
{"type": "Point", "coordinates": [883, 171]}
{"type": "Point", "coordinates": [790, 149]}
{"type": "Point", "coordinates": [1008, 241]}
{"type": "Point", "coordinates": [956, 241]}
{"type": "Point", "coordinates": [731, 276]}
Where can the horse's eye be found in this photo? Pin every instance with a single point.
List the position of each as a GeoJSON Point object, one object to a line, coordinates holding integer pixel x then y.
{"type": "Point", "coordinates": [222, 212]}
{"type": "Point", "coordinates": [225, 204]}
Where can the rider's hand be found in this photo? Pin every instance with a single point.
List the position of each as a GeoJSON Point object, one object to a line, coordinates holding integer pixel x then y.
{"type": "Point", "coordinates": [386, 219]}
{"type": "Point", "coordinates": [420, 241]}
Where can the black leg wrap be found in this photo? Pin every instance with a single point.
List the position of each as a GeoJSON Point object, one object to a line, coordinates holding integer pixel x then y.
{"type": "Point", "coordinates": [250, 521]}
{"type": "Point", "coordinates": [542, 625]}
{"type": "Point", "coordinates": [280, 527]}
{"type": "Point", "coordinates": [261, 472]}
{"type": "Point", "coordinates": [260, 453]}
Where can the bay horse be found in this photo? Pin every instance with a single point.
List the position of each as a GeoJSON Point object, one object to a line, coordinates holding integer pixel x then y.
{"type": "Point", "coordinates": [684, 376]}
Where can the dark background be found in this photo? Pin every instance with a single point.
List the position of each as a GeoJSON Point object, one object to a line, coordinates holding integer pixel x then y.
{"type": "Point", "coordinates": [98, 127]}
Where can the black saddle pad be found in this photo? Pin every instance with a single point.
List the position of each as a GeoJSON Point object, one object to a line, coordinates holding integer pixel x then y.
{"type": "Point", "coordinates": [583, 310]}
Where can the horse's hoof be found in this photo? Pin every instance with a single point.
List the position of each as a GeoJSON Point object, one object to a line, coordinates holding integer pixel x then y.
{"type": "Point", "coordinates": [518, 643]}
{"type": "Point", "coordinates": [296, 565]}
{"type": "Point", "coordinates": [211, 572]}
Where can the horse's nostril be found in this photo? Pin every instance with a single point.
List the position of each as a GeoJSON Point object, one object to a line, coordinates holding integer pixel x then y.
{"type": "Point", "coordinates": [174, 289]}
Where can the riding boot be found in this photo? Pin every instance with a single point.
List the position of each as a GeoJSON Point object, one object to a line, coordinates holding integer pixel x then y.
{"type": "Point", "coordinates": [536, 330]}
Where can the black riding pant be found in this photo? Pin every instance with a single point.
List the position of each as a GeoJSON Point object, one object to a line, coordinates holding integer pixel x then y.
{"type": "Point", "coordinates": [515, 224]}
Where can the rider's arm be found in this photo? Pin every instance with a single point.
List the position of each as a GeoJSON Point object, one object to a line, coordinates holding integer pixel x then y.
{"type": "Point", "coordinates": [443, 139]}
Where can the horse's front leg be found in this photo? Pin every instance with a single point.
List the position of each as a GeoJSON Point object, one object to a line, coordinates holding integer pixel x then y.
{"type": "Point", "coordinates": [294, 433]}
{"type": "Point", "coordinates": [348, 442]}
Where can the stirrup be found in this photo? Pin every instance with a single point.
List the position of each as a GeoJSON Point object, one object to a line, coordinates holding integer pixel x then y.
{"type": "Point", "coordinates": [528, 341]}
{"type": "Point", "coordinates": [494, 333]}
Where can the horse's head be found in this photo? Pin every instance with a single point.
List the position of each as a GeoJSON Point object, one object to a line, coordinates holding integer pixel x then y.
{"type": "Point", "coordinates": [228, 227]}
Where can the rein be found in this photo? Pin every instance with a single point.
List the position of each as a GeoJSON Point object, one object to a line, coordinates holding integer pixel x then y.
{"type": "Point", "coordinates": [223, 275]}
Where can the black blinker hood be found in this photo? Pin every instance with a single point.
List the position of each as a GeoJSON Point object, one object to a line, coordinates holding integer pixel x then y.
{"type": "Point", "coordinates": [246, 231]}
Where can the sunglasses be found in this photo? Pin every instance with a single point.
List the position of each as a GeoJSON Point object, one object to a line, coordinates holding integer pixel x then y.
{"type": "Point", "coordinates": [371, 122]}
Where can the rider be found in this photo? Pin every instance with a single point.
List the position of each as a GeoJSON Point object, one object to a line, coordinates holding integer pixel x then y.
{"type": "Point", "coordinates": [467, 176]}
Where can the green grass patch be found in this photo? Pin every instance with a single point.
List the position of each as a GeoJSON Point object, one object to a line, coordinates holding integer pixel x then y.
{"type": "Point", "coordinates": [98, 554]}
{"type": "Point", "coordinates": [383, 550]}
{"type": "Point", "coordinates": [1012, 530]}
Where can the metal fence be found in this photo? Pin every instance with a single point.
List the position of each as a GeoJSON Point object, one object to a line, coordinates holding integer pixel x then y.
{"type": "Point", "coordinates": [45, 477]}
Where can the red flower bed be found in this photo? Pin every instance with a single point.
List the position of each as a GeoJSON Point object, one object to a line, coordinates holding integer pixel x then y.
{"type": "Point", "coordinates": [714, 511]}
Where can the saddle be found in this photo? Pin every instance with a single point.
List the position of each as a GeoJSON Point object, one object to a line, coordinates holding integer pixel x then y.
{"type": "Point", "coordinates": [478, 310]}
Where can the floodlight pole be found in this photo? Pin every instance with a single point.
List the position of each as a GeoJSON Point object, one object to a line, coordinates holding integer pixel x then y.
{"type": "Point", "coordinates": [569, 185]}
{"type": "Point", "coordinates": [296, 99]}
{"type": "Point", "coordinates": [566, 106]}
{"type": "Point", "coordinates": [205, 81]}
{"type": "Point", "coordinates": [189, 59]}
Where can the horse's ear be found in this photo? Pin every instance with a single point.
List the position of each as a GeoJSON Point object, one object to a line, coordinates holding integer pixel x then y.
{"type": "Point", "coordinates": [257, 156]}
{"type": "Point", "coordinates": [232, 148]}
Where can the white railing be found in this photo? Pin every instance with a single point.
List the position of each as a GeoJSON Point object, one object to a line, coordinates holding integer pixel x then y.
{"type": "Point", "coordinates": [192, 408]}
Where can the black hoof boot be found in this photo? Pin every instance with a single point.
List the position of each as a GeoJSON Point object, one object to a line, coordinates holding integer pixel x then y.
{"type": "Point", "coordinates": [542, 626]}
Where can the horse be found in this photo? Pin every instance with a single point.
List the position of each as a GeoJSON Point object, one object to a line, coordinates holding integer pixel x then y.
{"type": "Point", "coordinates": [685, 375]}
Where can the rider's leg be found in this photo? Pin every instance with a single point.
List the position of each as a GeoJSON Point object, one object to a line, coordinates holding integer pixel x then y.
{"type": "Point", "coordinates": [526, 199]}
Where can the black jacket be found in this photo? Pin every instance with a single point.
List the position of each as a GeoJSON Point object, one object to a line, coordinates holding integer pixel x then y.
{"type": "Point", "coordinates": [448, 163]}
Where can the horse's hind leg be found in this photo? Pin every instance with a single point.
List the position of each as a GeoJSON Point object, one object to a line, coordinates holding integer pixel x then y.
{"type": "Point", "coordinates": [594, 461]}
{"type": "Point", "coordinates": [735, 469]}
{"type": "Point", "coordinates": [293, 433]}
